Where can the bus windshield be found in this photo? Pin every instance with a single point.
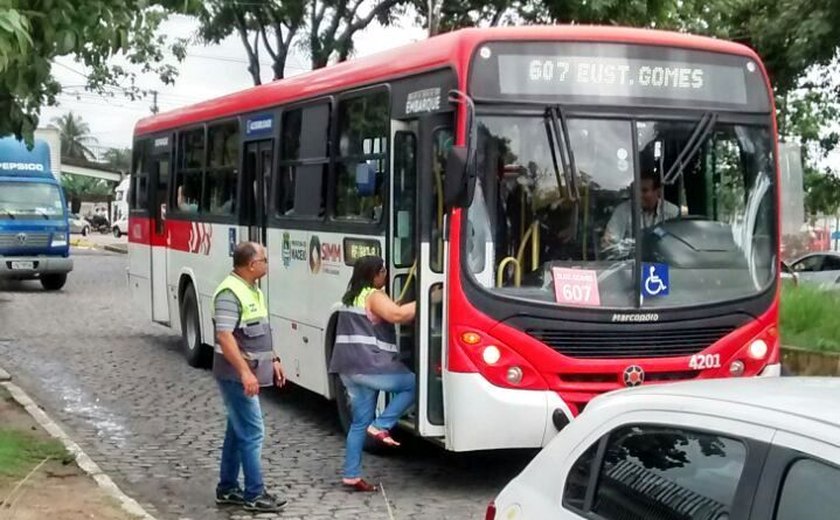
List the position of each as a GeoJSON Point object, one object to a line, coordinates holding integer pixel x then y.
{"type": "Point", "coordinates": [28, 199]}
{"type": "Point", "coordinates": [638, 221]}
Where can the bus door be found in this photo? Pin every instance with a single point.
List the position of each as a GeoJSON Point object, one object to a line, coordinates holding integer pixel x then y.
{"type": "Point", "coordinates": [160, 176]}
{"type": "Point", "coordinates": [256, 187]}
{"type": "Point", "coordinates": [418, 214]}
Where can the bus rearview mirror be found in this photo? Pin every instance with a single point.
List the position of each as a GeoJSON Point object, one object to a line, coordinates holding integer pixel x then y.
{"type": "Point", "coordinates": [456, 186]}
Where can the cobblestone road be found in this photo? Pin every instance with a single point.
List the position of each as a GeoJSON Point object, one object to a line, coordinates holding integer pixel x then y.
{"type": "Point", "coordinates": [122, 389]}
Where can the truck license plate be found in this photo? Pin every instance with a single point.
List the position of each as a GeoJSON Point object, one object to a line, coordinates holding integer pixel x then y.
{"type": "Point", "coordinates": [23, 265]}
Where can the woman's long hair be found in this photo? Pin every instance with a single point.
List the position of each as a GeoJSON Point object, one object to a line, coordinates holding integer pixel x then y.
{"type": "Point", "coordinates": [364, 271]}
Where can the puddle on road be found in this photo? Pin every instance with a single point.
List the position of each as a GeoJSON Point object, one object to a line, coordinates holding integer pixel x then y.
{"type": "Point", "coordinates": [107, 425]}
{"type": "Point", "coordinates": [80, 404]}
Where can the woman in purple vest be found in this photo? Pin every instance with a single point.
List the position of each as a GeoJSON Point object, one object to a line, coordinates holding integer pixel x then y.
{"type": "Point", "coordinates": [367, 360]}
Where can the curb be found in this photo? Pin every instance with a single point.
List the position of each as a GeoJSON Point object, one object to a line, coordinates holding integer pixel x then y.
{"type": "Point", "coordinates": [86, 464]}
{"type": "Point", "coordinates": [116, 249]}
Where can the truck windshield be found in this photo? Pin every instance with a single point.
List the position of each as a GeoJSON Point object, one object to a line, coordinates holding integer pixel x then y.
{"type": "Point", "coordinates": [29, 199]}
{"type": "Point", "coordinates": [704, 222]}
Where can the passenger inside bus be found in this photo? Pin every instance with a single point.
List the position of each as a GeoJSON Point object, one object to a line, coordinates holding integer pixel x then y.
{"type": "Point", "coordinates": [186, 202]}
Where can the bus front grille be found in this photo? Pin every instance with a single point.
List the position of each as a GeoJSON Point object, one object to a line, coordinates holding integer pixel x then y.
{"type": "Point", "coordinates": [604, 344]}
{"type": "Point", "coordinates": [24, 240]}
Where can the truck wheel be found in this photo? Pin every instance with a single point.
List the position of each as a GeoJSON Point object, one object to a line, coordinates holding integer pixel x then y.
{"type": "Point", "coordinates": [191, 329]}
{"type": "Point", "coordinates": [53, 282]}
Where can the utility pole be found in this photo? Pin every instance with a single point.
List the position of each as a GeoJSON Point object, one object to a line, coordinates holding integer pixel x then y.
{"type": "Point", "coordinates": [155, 108]}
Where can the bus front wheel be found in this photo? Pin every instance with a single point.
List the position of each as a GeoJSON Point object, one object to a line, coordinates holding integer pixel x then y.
{"type": "Point", "coordinates": [191, 329]}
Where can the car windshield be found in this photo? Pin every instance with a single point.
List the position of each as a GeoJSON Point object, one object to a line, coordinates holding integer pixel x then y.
{"type": "Point", "coordinates": [28, 199]}
{"type": "Point", "coordinates": [565, 228]}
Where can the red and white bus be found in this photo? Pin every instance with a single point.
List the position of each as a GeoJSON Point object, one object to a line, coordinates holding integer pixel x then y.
{"type": "Point", "coordinates": [509, 168]}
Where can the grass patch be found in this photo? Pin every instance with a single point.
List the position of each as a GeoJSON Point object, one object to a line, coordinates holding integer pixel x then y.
{"type": "Point", "coordinates": [809, 318]}
{"type": "Point", "coordinates": [21, 450]}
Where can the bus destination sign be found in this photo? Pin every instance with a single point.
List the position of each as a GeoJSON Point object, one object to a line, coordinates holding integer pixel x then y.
{"type": "Point", "coordinates": [611, 77]}
{"type": "Point", "coordinates": [620, 74]}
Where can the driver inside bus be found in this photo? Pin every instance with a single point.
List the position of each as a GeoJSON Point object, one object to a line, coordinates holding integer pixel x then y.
{"type": "Point", "coordinates": [655, 209]}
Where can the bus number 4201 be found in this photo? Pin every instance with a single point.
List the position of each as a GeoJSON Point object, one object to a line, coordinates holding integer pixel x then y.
{"type": "Point", "coordinates": [704, 361]}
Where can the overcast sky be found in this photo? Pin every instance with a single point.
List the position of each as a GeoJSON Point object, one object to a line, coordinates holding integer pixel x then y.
{"type": "Point", "coordinates": [208, 72]}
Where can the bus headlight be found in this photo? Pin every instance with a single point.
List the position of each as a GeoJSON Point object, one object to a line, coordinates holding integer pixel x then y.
{"type": "Point", "coordinates": [491, 355]}
{"type": "Point", "coordinates": [758, 349]}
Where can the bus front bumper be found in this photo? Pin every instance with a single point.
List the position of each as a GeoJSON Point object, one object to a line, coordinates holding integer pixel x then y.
{"type": "Point", "coordinates": [27, 267]}
{"type": "Point", "coordinates": [482, 416]}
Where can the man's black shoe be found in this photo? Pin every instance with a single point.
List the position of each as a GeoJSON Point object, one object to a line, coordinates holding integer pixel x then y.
{"type": "Point", "coordinates": [231, 496]}
{"type": "Point", "coordinates": [265, 503]}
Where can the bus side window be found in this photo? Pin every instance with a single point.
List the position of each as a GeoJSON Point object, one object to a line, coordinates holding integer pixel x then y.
{"type": "Point", "coordinates": [138, 198]}
{"type": "Point", "coordinates": [301, 189]}
{"type": "Point", "coordinates": [220, 184]}
{"type": "Point", "coordinates": [190, 164]}
{"type": "Point", "coordinates": [361, 172]}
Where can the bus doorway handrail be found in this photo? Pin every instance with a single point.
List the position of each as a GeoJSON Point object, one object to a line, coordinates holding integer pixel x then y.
{"type": "Point", "coordinates": [408, 281]}
{"type": "Point", "coordinates": [533, 233]}
{"type": "Point", "coordinates": [517, 273]}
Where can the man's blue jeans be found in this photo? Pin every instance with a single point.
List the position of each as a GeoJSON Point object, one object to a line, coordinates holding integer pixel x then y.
{"type": "Point", "coordinates": [243, 440]}
{"type": "Point", "coordinates": [363, 390]}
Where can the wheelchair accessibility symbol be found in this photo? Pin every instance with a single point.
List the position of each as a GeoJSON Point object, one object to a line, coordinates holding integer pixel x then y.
{"type": "Point", "coordinates": [655, 280]}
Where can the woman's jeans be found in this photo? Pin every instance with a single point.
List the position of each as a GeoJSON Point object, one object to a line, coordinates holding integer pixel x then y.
{"type": "Point", "coordinates": [243, 440]}
{"type": "Point", "coordinates": [363, 390]}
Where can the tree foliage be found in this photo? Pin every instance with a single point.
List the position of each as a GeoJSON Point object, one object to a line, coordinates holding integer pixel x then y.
{"type": "Point", "coordinates": [34, 32]}
{"type": "Point", "coordinates": [270, 23]}
{"type": "Point", "coordinates": [334, 23]}
{"type": "Point", "coordinates": [75, 137]}
{"type": "Point", "coordinates": [324, 29]}
{"type": "Point", "coordinates": [118, 159]}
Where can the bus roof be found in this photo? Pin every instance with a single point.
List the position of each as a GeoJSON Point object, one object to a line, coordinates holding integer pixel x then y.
{"type": "Point", "coordinates": [448, 50]}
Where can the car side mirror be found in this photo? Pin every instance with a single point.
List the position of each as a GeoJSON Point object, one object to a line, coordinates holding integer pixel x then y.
{"type": "Point", "coordinates": [459, 182]}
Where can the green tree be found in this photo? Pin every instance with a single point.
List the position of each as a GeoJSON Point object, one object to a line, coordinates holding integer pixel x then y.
{"type": "Point", "coordinates": [118, 159]}
{"type": "Point", "coordinates": [272, 23]}
{"type": "Point", "coordinates": [323, 28]}
{"type": "Point", "coordinates": [75, 137]}
{"type": "Point", "coordinates": [332, 24]}
{"type": "Point", "coordinates": [34, 32]}
{"type": "Point", "coordinates": [78, 187]}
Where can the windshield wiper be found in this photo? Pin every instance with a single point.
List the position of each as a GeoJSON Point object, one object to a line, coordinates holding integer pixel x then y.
{"type": "Point", "coordinates": [9, 213]}
{"type": "Point", "coordinates": [701, 131]}
{"type": "Point", "coordinates": [556, 121]}
{"type": "Point", "coordinates": [42, 213]}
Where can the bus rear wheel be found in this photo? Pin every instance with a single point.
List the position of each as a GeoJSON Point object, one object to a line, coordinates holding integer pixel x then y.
{"type": "Point", "coordinates": [191, 341]}
{"type": "Point", "coordinates": [53, 282]}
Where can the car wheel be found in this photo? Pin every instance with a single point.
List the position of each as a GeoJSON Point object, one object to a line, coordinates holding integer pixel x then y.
{"type": "Point", "coordinates": [191, 342]}
{"type": "Point", "coordinates": [53, 282]}
{"type": "Point", "coordinates": [117, 232]}
{"type": "Point", "coordinates": [85, 231]}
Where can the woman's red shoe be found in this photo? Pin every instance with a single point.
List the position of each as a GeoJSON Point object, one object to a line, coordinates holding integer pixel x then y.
{"type": "Point", "coordinates": [383, 436]}
{"type": "Point", "coordinates": [361, 485]}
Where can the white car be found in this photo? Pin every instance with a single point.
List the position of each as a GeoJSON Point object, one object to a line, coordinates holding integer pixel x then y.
{"type": "Point", "coordinates": [120, 227]}
{"type": "Point", "coordinates": [726, 449]}
{"type": "Point", "coordinates": [818, 268]}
